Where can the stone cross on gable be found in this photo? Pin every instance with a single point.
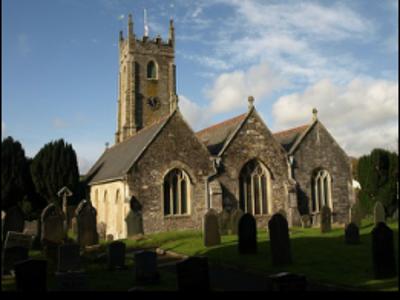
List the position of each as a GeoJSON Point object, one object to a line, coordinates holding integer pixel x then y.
{"type": "Point", "coordinates": [64, 193]}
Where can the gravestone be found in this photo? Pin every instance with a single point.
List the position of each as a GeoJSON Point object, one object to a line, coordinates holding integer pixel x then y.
{"type": "Point", "coordinates": [109, 238]}
{"type": "Point", "coordinates": [71, 281]}
{"type": "Point", "coordinates": [86, 224]}
{"type": "Point", "coordinates": [379, 213]}
{"type": "Point", "coordinates": [236, 214]}
{"type": "Point", "coordinates": [224, 222]}
{"type": "Point", "coordinates": [16, 248]}
{"type": "Point", "coordinates": [13, 220]}
{"type": "Point", "coordinates": [74, 226]}
{"type": "Point", "coordinates": [146, 267]}
{"type": "Point", "coordinates": [352, 234]}
{"type": "Point", "coordinates": [384, 263]}
{"type": "Point", "coordinates": [31, 228]}
{"type": "Point", "coordinates": [283, 213]}
{"type": "Point", "coordinates": [192, 274]}
{"type": "Point", "coordinates": [101, 230]}
{"type": "Point", "coordinates": [31, 275]}
{"type": "Point", "coordinates": [116, 255]}
{"type": "Point", "coordinates": [211, 234]}
{"type": "Point", "coordinates": [68, 258]}
{"type": "Point", "coordinates": [326, 219]}
{"type": "Point", "coordinates": [134, 223]}
{"type": "Point", "coordinates": [247, 235]}
{"type": "Point", "coordinates": [306, 221]}
{"type": "Point", "coordinates": [287, 282]}
{"type": "Point", "coordinates": [356, 215]}
{"type": "Point", "coordinates": [279, 240]}
{"type": "Point", "coordinates": [52, 219]}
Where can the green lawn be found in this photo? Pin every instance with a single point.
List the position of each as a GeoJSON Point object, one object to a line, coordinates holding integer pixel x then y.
{"type": "Point", "coordinates": [323, 258]}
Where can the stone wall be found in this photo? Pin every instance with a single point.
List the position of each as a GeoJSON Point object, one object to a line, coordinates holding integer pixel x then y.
{"type": "Point", "coordinates": [176, 146]}
{"type": "Point", "coordinates": [254, 140]}
{"type": "Point", "coordinates": [319, 150]}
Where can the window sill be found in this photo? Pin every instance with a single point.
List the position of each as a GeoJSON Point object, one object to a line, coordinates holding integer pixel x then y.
{"type": "Point", "coordinates": [152, 79]}
{"type": "Point", "coordinates": [177, 216]}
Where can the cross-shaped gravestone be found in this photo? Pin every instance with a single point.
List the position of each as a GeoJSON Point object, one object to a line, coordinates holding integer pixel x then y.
{"type": "Point", "coordinates": [64, 193]}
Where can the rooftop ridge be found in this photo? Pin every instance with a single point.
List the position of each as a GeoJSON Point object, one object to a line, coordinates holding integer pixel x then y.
{"type": "Point", "coordinates": [286, 131]}
{"type": "Point", "coordinates": [226, 122]}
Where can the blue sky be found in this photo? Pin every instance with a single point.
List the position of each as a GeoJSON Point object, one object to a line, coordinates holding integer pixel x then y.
{"type": "Point", "coordinates": [60, 66]}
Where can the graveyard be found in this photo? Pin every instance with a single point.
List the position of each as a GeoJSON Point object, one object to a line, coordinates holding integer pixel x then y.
{"type": "Point", "coordinates": [325, 259]}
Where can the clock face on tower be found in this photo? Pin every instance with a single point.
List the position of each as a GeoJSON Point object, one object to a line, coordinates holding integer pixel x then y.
{"type": "Point", "coordinates": [154, 103]}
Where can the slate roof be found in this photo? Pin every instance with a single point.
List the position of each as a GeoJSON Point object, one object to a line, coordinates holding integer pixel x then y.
{"type": "Point", "coordinates": [215, 137]}
{"type": "Point", "coordinates": [288, 137]}
{"type": "Point", "coordinates": [115, 162]}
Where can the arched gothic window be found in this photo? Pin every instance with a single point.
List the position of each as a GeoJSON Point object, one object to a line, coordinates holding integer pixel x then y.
{"type": "Point", "coordinates": [151, 70]}
{"type": "Point", "coordinates": [321, 190]}
{"type": "Point", "coordinates": [176, 193]}
{"type": "Point", "coordinates": [255, 191]}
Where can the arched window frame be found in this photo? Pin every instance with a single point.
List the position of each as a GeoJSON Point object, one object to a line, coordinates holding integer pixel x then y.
{"type": "Point", "coordinates": [149, 63]}
{"type": "Point", "coordinates": [254, 184]}
{"type": "Point", "coordinates": [175, 206]}
{"type": "Point", "coordinates": [322, 190]}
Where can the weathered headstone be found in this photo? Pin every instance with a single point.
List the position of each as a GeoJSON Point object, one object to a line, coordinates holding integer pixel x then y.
{"type": "Point", "coordinates": [101, 230]}
{"type": "Point", "coordinates": [356, 215]}
{"type": "Point", "coordinates": [224, 222]}
{"type": "Point", "coordinates": [31, 228]}
{"type": "Point", "coordinates": [86, 223]}
{"type": "Point", "coordinates": [31, 275]}
{"type": "Point", "coordinates": [192, 274]}
{"type": "Point", "coordinates": [283, 213]}
{"type": "Point", "coordinates": [74, 226]}
{"type": "Point", "coordinates": [211, 234]}
{"type": "Point", "coordinates": [379, 213]}
{"type": "Point", "coordinates": [109, 238]}
{"type": "Point", "coordinates": [236, 214]}
{"type": "Point", "coordinates": [247, 234]}
{"type": "Point", "coordinates": [383, 258]}
{"type": "Point", "coordinates": [279, 240]}
{"type": "Point", "coordinates": [52, 219]}
{"type": "Point", "coordinates": [13, 220]}
{"type": "Point", "coordinates": [288, 282]}
{"type": "Point", "coordinates": [326, 219]}
{"type": "Point", "coordinates": [116, 255]}
{"type": "Point", "coordinates": [146, 267]}
{"type": "Point", "coordinates": [16, 249]}
{"type": "Point", "coordinates": [306, 221]}
{"type": "Point", "coordinates": [134, 223]}
{"type": "Point", "coordinates": [352, 234]}
{"type": "Point", "coordinates": [71, 281]}
{"type": "Point", "coordinates": [69, 258]}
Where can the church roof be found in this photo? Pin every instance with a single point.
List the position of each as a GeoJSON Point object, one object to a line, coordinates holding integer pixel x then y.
{"type": "Point", "coordinates": [115, 162]}
{"type": "Point", "coordinates": [215, 136]}
{"type": "Point", "coordinates": [288, 137]}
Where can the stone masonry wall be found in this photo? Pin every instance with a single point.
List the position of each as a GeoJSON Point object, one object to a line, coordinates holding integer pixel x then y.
{"type": "Point", "coordinates": [254, 140]}
{"type": "Point", "coordinates": [175, 147]}
{"type": "Point", "coordinates": [319, 150]}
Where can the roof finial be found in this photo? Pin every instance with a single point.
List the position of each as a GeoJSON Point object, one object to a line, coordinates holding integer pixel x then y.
{"type": "Point", "coordinates": [171, 32]}
{"type": "Point", "coordinates": [250, 99]}
{"type": "Point", "coordinates": [130, 26]}
{"type": "Point", "coordinates": [315, 114]}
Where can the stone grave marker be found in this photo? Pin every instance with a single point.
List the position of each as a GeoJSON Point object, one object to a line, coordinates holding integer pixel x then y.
{"type": "Point", "coordinates": [101, 230]}
{"type": "Point", "coordinates": [86, 224]}
{"type": "Point", "coordinates": [116, 255]}
{"type": "Point", "coordinates": [326, 219]}
{"type": "Point", "coordinates": [109, 238]}
{"type": "Point", "coordinates": [384, 263]}
{"type": "Point", "coordinates": [71, 281]}
{"type": "Point", "coordinates": [224, 222]}
{"type": "Point", "coordinates": [283, 213]}
{"type": "Point", "coordinates": [288, 282]}
{"type": "Point", "coordinates": [211, 234]}
{"type": "Point", "coordinates": [31, 275]}
{"type": "Point", "coordinates": [134, 223]}
{"type": "Point", "coordinates": [74, 226]}
{"type": "Point", "coordinates": [279, 240]}
{"type": "Point", "coordinates": [236, 214]}
{"type": "Point", "coordinates": [306, 221]}
{"type": "Point", "coordinates": [192, 274]}
{"type": "Point", "coordinates": [13, 220]}
{"type": "Point", "coordinates": [379, 213]}
{"type": "Point", "coordinates": [352, 234]}
{"type": "Point", "coordinates": [146, 267]}
{"type": "Point", "coordinates": [52, 219]}
{"type": "Point", "coordinates": [247, 235]}
{"type": "Point", "coordinates": [31, 228]}
{"type": "Point", "coordinates": [69, 258]}
{"type": "Point", "coordinates": [16, 249]}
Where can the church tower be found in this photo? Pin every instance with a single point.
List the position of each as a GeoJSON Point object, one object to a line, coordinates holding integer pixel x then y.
{"type": "Point", "coordinates": [147, 81]}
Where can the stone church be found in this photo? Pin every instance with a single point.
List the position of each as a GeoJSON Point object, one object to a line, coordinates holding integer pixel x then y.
{"type": "Point", "coordinates": [161, 172]}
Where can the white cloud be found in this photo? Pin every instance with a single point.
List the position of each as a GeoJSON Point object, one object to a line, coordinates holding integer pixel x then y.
{"type": "Point", "coordinates": [59, 123]}
{"type": "Point", "coordinates": [196, 116]}
{"type": "Point", "coordinates": [230, 90]}
{"type": "Point", "coordinates": [361, 115]}
{"type": "Point", "coordinates": [121, 17]}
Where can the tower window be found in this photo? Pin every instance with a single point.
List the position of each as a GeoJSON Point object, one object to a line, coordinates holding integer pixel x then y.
{"type": "Point", "coordinates": [151, 70]}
